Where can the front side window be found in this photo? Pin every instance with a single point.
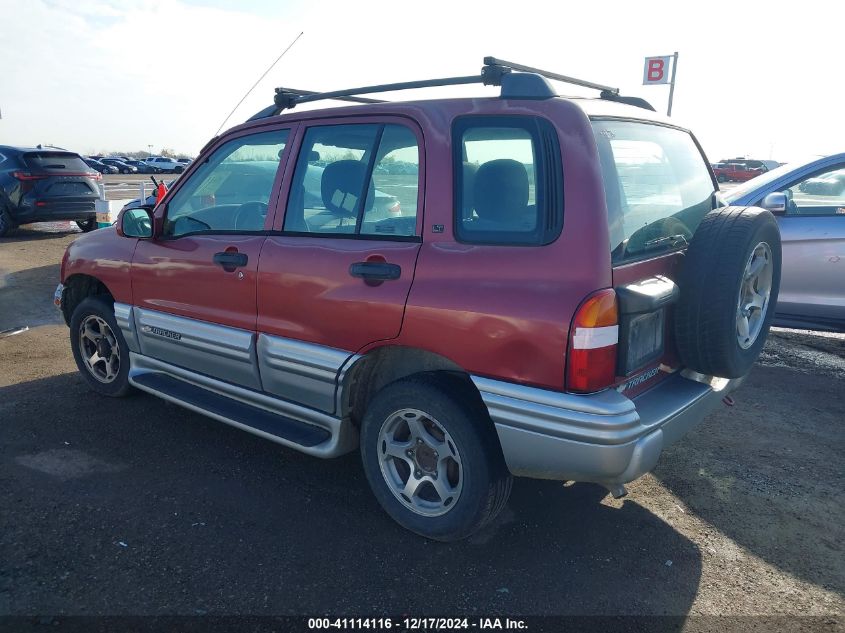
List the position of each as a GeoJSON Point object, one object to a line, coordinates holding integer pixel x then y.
{"type": "Point", "coordinates": [821, 194]}
{"type": "Point", "coordinates": [355, 180]}
{"type": "Point", "coordinates": [657, 187]}
{"type": "Point", "coordinates": [231, 190]}
{"type": "Point", "coordinates": [508, 181]}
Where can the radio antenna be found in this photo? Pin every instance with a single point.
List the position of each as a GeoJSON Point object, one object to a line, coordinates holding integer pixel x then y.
{"type": "Point", "coordinates": [296, 39]}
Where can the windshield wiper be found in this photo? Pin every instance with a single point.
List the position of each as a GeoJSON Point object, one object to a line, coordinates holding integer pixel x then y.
{"type": "Point", "coordinates": [671, 241]}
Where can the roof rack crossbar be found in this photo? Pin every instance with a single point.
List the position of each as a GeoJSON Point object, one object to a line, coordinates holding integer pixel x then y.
{"type": "Point", "coordinates": [494, 61]}
{"type": "Point", "coordinates": [303, 93]}
{"type": "Point", "coordinates": [404, 85]}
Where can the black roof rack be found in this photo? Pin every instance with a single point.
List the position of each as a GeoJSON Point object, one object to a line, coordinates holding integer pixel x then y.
{"type": "Point", "coordinates": [517, 81]}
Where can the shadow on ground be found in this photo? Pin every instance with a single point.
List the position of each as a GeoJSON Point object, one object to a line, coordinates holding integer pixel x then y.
{"type": "Point", "coordinates": [41, 231]}
{"type": "Point", "coordinates": [138, 506]}
{"type": "Point", "coordinates": [768, 472]}
{"type": "Point", "coordinates": [26, 297]}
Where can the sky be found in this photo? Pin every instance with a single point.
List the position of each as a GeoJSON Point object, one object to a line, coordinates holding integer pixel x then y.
{"type": "Point", "coordinates": [756, 79]}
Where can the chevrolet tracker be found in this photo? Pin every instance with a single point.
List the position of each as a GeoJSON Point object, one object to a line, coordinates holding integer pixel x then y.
{"type": "Point", "coordinates": [466, 289]}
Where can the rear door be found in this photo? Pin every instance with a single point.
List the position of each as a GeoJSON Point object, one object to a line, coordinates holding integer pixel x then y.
{"type": "Point", "coordinates": [658, 189]}
{"type": "Point", "coordinates": [194, 286]}
{"type": "Point", "coordinates": [336, 277]}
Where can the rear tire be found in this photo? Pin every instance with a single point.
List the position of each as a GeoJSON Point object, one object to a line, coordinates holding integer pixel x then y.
{"type": "Point", "coordinates": [729, 288]}
{"type": "Point", "coordinates": [88, 225]}
{"type": "Point", "coordinates": [454, 460]}
{"type": "Point", "coordinates": [7, 224]}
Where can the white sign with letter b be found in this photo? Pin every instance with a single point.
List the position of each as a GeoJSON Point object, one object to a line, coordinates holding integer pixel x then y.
{"type": "Point", "coordinates": [656, 70]}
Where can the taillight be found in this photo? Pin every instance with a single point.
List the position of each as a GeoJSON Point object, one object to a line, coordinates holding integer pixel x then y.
{"type": "Point", "coordinates": [593, 341]}
{"type": "Point", "coordinates": [27, 179]}
{"type": "Point", "coordinates": [25, 175]}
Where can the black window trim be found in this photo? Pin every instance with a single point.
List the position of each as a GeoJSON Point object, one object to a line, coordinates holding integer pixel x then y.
{"type": "Point", "coordinates": [548, 170]}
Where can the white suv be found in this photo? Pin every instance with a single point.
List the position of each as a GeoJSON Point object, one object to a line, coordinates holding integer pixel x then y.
{"type": "Point", "coordinates": [167, 165]}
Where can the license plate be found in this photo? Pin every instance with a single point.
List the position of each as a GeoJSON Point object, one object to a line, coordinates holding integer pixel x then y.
{"type": "Point", "coordinates": [69, 189]}
{"type": "Point", "coordinates": [641, 340]}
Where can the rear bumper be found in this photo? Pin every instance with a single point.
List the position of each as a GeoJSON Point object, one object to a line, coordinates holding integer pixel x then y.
{"type": "Point", "coordinates": [47, 209]}
{"type": "Point", "coordinates": [605, 437]}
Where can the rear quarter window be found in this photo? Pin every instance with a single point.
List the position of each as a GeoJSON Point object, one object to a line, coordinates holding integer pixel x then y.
{"type": "Point", "coordinates": [657, 186]}
{"type": "Point", "coordinates": [508, 181]}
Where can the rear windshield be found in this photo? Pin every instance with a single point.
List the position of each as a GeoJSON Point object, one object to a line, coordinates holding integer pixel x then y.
{"type": "Point", "coordinates": [58, 161]}
{"type": "Point", "coordinates": [657, 184]}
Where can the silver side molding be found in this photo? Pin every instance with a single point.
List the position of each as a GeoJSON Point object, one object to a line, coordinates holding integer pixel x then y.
{"type": "Point", "coordinates": [126, 323]}
{"type": "Point", "coordinates": [343, 435]}
{"type": "Point", "coordinates": [304, 372]}
{"type": "Point", "coordinates": [224, 352]}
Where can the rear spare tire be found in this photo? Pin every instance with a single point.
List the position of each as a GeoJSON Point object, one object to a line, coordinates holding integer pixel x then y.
{"type": "Point", "coordinates": [729, 287]}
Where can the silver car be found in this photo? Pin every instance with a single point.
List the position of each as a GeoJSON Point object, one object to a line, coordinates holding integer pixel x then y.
{"type": "Point", "coordinates": [809, 202]}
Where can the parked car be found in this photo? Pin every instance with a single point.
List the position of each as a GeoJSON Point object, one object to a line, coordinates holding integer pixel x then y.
{"type": "Point", "coordinates": [808, 199]}
{"type": "Point", "coordinates": [165, 165]}
{"type": "Point", "coordinates": [143, 168]}
{"type": "Point", "coordinates": [45, 185]}
{"type": "Point", "coordinates": [185, 161]}
{"type": "Point", "coordinates": [490, 338]}
{"type": "Point", "coordinates": [737, 172]}
{"type": "Point", "coordinates": [98, 166]}
{"type": "Point", "coordinates": [122, 167]}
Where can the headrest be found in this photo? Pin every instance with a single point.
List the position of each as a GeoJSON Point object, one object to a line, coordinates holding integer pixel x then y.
{"type": "Point", "coordinates": [341, 187]}
{"type": "Point", "coordinates": [501, 190]}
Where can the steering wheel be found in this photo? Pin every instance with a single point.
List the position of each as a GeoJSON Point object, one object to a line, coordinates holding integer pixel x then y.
{"type": "Point", "coordinates": [250, 216]}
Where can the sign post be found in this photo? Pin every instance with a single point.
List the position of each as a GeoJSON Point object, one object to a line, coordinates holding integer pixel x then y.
{"type": "Point", "coordinates": [656, 72]}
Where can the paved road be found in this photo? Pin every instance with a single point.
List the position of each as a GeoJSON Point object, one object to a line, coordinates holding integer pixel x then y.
{"type": "Point", "coordinates": [137, 506]}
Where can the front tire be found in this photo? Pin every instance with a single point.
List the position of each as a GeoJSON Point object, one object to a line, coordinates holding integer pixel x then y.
{"type": "Point", "coordinates": [432, 457]}
{"type": "Point", "coordinates": [99, 349]}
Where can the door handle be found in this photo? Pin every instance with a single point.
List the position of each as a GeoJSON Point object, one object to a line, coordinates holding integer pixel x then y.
{"type": "Point", "coordinates": [375, 271]}
{"type": "Point", "coordinates": [230, 260]}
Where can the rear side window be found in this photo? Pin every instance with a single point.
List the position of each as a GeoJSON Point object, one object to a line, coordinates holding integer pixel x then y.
{"type": "Point", "coordinates": [355, 181]}
{"type": "Point", "coordinates": [657, 185]}
{"type": "Point", "coordinates": [54, 161]}
{"type": "Point", "coordinates": [508, 181]}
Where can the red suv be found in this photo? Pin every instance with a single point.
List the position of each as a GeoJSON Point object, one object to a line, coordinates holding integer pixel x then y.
{"type": "Point", "coordinates": [560, 296]}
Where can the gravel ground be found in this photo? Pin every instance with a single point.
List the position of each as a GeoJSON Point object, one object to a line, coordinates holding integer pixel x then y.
{"type": "Point", "coordinates": [136, 506]}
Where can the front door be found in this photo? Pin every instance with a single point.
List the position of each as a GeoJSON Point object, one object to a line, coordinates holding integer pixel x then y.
{"type": "Point", "coordinates": [194, 285]}
{"type": "Point", "coordinates": [337, 277]}
{"type": "Point", "coordinates": [813, 242]}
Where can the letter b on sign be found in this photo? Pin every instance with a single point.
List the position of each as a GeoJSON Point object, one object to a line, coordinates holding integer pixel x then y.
{"type": "Point", "coordinates": [656, 70]}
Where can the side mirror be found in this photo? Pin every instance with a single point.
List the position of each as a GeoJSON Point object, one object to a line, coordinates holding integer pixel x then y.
{"type": "Point", "coordinates": [137, 223]}
{"type": "Point", "coordinates": [775, 202]}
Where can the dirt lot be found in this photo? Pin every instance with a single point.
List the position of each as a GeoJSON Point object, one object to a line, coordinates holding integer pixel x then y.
{"type": "Point", "coordinates": [139, 507]}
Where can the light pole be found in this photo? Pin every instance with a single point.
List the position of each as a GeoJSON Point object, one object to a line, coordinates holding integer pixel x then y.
{"type": "Point", "coordinates": [149, 150]}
